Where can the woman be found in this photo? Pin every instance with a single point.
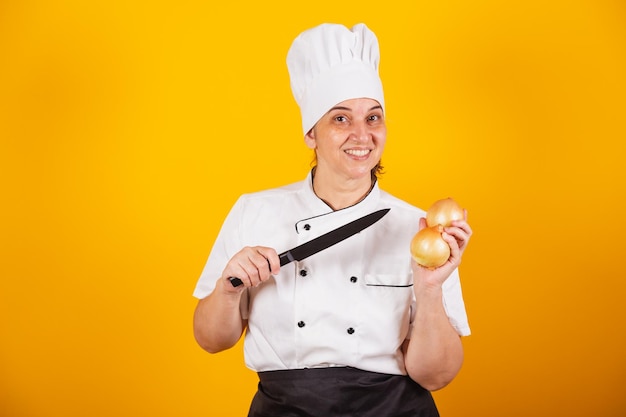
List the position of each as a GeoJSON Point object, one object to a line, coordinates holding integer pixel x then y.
{"type": "Point", "coordinates": [358, 329]}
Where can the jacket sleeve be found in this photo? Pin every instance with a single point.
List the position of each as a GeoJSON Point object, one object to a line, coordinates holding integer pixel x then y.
{"type": "Point", "coordinates": [227, 243]}
{"type": "Point", "coordinates": [454, 305]}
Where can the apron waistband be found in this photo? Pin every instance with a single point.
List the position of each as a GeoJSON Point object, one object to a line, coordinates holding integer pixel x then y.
{"type": "Point", "coordinates": [313, 373]}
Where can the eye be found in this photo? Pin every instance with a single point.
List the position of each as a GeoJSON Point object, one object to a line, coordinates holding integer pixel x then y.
{"type": "Point", "coordinates": [340, 118]}
{"type": "Point", "coordinates": [373, 117]}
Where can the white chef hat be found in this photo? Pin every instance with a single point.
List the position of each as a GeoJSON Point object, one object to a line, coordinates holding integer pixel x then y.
{"type": "Point", "coordinates": [331, 63]}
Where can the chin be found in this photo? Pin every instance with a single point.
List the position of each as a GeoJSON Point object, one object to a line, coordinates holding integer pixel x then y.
{"type": "Point", "coordinates": [361, 174]}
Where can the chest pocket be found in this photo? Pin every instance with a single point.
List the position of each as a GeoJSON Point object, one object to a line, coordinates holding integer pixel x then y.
{"type": "Point", "coordinates": [389, 280]}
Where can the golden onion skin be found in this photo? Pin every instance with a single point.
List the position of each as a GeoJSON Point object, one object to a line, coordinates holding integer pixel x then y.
{"type": "Point", "coordinates": [428, 247]}
{"type": "Point", "coordinates": [444, 212]}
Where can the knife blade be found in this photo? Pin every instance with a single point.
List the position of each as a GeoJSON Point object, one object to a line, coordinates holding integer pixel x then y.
{"type": "Point", "coordinates": [324, 241]}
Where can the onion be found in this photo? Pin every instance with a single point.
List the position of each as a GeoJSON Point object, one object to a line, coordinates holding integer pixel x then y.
{"type": "Point", "coordinates": [428, 247]}
{"type": "Point", "coordinates": [444, 212]}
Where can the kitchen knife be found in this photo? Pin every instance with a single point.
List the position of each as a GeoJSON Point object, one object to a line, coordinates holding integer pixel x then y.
{"type": "Point", "coordinates": [324, 241]}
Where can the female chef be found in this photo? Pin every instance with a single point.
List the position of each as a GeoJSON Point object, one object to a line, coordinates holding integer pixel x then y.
{"type": "Point", "coordinates": [358, 329]}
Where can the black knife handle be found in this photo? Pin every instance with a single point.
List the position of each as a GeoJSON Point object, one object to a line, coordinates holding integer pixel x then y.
{"type": "Point", "coordinates": [284, 257]}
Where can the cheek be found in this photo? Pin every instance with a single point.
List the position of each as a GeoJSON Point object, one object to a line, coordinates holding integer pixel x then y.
{"type": "Point", "coordinates": [381, 140]}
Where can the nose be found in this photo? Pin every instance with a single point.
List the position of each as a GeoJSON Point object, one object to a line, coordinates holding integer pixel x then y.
{"type": "Point", "coordinates": [361, 132]}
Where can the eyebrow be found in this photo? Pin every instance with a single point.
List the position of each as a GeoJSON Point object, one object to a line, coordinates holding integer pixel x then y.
{"type": "Point", "coordinates": [349, 109]}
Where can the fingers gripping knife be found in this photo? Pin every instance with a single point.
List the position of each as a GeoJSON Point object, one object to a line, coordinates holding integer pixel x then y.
{"type": "Point", "coordinates": [324, 241]}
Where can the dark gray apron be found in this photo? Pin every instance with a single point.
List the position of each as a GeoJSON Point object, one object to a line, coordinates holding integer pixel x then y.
{"type": "Point", "coordinates": [339, 392]}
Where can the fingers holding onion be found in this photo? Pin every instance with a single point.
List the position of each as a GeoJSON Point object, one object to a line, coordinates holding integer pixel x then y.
{"type": "Point", "coordinates": [428, 247]}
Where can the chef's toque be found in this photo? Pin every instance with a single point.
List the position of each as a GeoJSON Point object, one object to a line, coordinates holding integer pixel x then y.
{"type": "Point", "coordinates": [331, 63]}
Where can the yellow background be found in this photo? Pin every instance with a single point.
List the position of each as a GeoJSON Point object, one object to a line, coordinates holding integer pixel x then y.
{"type": "Point", "coordinates": [128, 129]}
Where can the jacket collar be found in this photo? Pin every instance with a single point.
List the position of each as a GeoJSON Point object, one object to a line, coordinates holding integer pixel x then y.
{"type": "Point", "coordinates": [369, 203]}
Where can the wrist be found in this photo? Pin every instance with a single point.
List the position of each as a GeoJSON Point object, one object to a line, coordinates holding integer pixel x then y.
{"type": "Point", "coordinates": [427, 289]}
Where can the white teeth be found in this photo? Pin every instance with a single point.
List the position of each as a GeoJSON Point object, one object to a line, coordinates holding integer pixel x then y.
{"type": "Point", "coordinates": [357, 152]}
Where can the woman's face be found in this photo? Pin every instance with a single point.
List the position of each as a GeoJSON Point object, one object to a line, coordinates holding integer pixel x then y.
{"type": "Point", "coordinates": [349, 139]}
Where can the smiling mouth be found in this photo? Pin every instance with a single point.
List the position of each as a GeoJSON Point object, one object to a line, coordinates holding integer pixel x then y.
{"type": "Point", "coordinates": [358, 152]}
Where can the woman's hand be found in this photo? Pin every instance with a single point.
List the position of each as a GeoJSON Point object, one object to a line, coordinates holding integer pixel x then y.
{"type": "Point", "coordinates": [457, 237]}
{"type": "Point", "coordinates": [434, 354]}
{"type": "Point", "coordinates": [252, 265]}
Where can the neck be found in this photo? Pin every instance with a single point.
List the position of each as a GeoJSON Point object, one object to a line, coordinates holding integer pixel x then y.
{"type": "Point", "coordinates": [341, 194]}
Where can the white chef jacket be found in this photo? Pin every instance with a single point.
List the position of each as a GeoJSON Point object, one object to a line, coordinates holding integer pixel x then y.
{"type": "Point", "coordinates": [349, 305]}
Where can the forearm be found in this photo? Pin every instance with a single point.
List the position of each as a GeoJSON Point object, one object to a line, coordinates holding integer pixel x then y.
{"type": "Point", "coordinates": [217, 320]}
{"type": "Point", "coordinates": [435, 353]}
